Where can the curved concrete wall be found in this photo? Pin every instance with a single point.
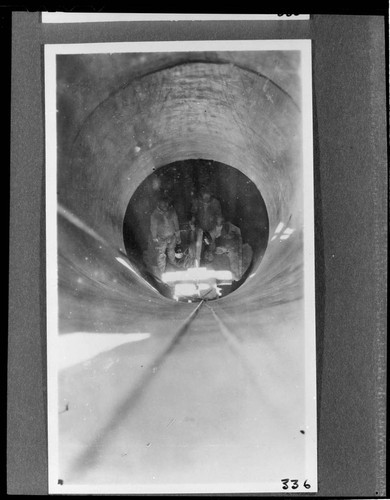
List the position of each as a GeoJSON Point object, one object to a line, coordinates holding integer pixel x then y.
{"type": "Point", "coordinates": [193, 110]}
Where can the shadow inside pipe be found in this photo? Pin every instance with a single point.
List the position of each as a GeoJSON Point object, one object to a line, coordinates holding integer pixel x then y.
{"type": "Point", "coordinates": [212, 231]}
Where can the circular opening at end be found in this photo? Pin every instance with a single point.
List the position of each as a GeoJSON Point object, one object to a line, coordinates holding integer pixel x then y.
{"type": "Point", "coordinates": [196, 229]}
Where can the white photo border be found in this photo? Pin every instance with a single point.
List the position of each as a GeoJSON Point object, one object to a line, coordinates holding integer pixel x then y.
{"type": "Point", "coordinates": [50, 53]}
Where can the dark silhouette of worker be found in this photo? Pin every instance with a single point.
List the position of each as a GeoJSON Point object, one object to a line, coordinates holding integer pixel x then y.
{"type": "Point", "coordinates": [205, 210]}
{"type": "Point", "coordinates": [228, 241]}
{"type": "Point", "coordinates": [165, 233]}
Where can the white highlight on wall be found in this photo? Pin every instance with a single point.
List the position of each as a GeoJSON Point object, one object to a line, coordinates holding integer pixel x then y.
{"type": "Point", "coordinates": [74, 348]}
{"type": "Point", "coordinates": [286, 233]}
{"type": "Point", "coordinates": [126, 264]}
{"type": "Point", "coordinates": [279, 227]}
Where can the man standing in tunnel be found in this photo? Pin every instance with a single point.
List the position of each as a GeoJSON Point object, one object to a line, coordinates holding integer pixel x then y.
{"type": "Point", "coordinates": [205, 210]}
{"type": "Point", "coordinates": [228, 241]}
{"type": "Point", "coordinates": [165, 233]}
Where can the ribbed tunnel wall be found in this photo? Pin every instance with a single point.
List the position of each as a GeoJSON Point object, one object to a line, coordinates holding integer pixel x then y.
{"type": "Point", "coordinates": [208, 110]}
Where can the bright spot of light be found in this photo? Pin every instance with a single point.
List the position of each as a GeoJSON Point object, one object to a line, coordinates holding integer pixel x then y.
{"type": "Point", "coordinates": [279, 227]}
{"type": "Point", "coordinates": [196, 274]}
{"type": "Point", "coordinates": [284, 236]}
{"type": "Point", "coordinates": [288, 230]}
{"type": "Point", "coordinates": [185, 289]}
{"type": "Point", "coordinates": [126, 264]}
{"type": "Point", "coordinates": [273, 237]}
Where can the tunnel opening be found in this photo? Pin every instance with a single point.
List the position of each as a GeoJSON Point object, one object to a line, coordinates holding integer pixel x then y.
{"type": "Point", "coordinates": [227, 233]}
{"type": "Point", "coordinates": [197, 112]}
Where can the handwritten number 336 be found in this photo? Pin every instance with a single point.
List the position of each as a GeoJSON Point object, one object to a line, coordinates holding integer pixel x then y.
{"type": "Point", "coordinates": [294, 484]}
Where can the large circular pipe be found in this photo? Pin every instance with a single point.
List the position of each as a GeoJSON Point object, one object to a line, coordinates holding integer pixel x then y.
{"type": "Point", "coordinates": [197, 110]}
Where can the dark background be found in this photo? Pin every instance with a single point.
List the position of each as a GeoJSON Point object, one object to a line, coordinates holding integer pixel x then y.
{"type": "Point", "coordinates": [241, 202]}
{"type": "Point", "coordinates": [350, 171]}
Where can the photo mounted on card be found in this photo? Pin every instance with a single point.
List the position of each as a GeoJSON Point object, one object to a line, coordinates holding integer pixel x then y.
{"type": "Point", "coordinates": [180, 267]}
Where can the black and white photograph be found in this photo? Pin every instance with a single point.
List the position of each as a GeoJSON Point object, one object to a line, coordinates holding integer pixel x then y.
{"type": "Point", "coordinates": [181, 334]}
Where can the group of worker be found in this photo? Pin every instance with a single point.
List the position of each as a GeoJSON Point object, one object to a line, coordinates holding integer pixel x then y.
{"type": "Point", "coordinates": [206, 216]}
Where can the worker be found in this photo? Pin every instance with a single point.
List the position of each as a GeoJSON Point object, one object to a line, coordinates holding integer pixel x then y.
{"type": "Point", "coordinates": [165, 233]}
{"type": "Point", "coordinates": [205, 210]}
{"type": "Point", "coordinates": [209, 239]}
{"type": "Point", "coordinates": [228, 241]}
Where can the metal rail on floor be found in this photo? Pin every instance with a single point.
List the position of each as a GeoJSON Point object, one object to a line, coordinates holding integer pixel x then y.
{"type": "Point", "coordinates": [236, 347]}
{"type": "Point", "coordinates": [88, 457]}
